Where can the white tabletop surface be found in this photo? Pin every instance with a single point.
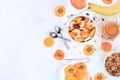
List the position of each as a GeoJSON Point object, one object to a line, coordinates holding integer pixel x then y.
{"type": "Point", "coordinates": [23, 26]}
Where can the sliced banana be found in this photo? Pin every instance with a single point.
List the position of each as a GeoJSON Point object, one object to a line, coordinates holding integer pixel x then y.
{"type": "Point", "coordinates": [87, 39]}
{"type": "Point", "coordinates": [82, 24]}
{"type": "Point", "coordinates": [71, 24]}
{"type": "Point", "coordinates": [92, 33]}
{"type": "Point", "coordinates": [76, 31]}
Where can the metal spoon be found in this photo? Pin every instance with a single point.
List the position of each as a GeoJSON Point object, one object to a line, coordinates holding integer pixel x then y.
{"type": "Point", "coordinates": [55, 35]}
{"type": "Point", "coordinates": [59, 31]}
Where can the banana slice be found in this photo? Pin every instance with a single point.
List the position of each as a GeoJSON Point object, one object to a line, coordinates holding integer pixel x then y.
{"type": "Point", "coordinates": [92, 33]}
{"type": "Point", "coordinates": [76, 31]}
{"type": "Point", "coordinates": [71, 24]}
{"type": "Point", "coordinates": [82, 24]}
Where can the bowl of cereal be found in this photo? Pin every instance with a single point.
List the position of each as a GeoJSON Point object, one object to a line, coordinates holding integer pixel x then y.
{"type": "Point", "coordinates": [81, 28]}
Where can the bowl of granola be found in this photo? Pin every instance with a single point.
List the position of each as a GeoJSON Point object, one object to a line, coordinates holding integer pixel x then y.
{"type": "Point", "coordinates": [112, 64]}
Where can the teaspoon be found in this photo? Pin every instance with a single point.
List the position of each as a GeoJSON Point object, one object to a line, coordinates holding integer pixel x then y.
{"type": "Point", "coordinates": [59, 31]}
{"type": "Point", "coordinates": [55, 35]}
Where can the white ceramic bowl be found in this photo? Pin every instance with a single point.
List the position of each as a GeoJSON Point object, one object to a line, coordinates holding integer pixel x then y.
{"type": "Point", "coordinates": [107, 73]}
{"type": "Point", "coordinates": [73, 17]}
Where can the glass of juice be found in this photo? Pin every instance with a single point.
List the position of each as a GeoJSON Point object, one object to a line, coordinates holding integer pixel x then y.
{"type": "Point", "coordinates": [110, 30]}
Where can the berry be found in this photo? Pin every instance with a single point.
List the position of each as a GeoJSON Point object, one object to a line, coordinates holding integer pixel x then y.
{"type": "Point", "coordinates": [76, 26]}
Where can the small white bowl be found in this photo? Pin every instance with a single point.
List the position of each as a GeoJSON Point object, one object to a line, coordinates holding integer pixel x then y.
{"type": "Point", "coordinates": [76, 15]}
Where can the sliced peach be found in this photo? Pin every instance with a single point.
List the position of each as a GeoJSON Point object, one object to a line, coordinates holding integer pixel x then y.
{"type": "Point", "coordinates": [72, 34]}
{"type": "Point", "coordinates": [84, 33]}
{"type": "Point", "coordinates": [89, 26]}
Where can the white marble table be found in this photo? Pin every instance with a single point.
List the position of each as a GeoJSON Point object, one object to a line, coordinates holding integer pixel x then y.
{"type": "Point", "coordinates": [23, 26]}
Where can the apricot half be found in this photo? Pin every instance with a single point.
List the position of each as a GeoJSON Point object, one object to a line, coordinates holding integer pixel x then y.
{"type": "Point", "coordinates": [70, 70]}
{"type": "Point", "coordinates": [60, 11]}
{"type": "Point", "coordinates": [88, 49]}
{"type": "Point", "coordinates": [59, 54]}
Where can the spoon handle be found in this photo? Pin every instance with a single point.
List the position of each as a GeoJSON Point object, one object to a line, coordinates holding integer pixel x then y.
{"type": "Point", "coordinates": [65, 43]}
{"type": "Point", "coordinates": [64, 38]}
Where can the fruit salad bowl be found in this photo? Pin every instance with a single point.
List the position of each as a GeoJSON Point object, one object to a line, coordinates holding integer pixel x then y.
{"type": "Point", "coordinates": [81, 27]}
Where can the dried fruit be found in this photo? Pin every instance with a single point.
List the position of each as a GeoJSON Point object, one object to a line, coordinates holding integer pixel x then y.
{"type": "Point", "coordinates": [76, 26]}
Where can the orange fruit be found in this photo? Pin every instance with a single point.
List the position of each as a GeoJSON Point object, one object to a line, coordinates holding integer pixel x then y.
{"type": "Point", "coordinates": [106, 46]}
{"type": "Point", "coordinates": [107, 1]}
{"type": "Point", "coordinates": [48, 41]}
{"type": "Point", "coordinates": [79, 4]}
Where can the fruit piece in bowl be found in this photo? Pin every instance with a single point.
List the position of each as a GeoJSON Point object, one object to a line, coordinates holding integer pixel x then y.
{"type": "Point", "coordinates": [112, 64]}
{"type": "Point", "coordinates": [81, 29]}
